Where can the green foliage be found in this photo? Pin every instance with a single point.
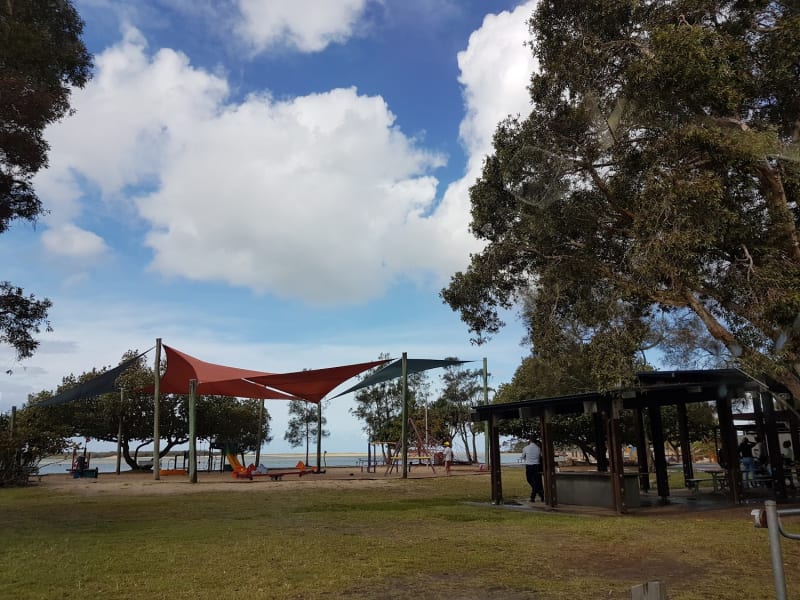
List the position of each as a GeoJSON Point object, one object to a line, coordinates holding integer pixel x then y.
{"type": "Point", "coordinates": [42, 57]}
{"type": "Point", "coordinates": [303, 424]}
{"type": "Point", "coordinates": [35, 435]}
{"type": "Point", "coordinates": [380, 406]}
{"type": "Point", "coordinates": [449, 415]}
{"type": "Point", "coordinates": [130, 412]}
{"type": "Point", "coordinates": [654, 184]}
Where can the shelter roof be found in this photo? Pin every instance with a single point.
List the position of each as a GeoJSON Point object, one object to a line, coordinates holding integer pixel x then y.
{"type": "Point", "coordinates": [652, 388]}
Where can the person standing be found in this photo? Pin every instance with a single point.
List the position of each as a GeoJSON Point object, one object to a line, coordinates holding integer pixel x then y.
{"type": "Point", "coordinates": [532, 455]}
{"type": "Point", "coordinates": [748, 464]}
{"type": "Point", "coordinates": [448, 458]}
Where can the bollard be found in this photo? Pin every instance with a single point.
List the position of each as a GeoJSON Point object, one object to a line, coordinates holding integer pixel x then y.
{"type": "Point", "coordinates": [768, 517]}
{"type": "Point", "coordinates": [652, 590]}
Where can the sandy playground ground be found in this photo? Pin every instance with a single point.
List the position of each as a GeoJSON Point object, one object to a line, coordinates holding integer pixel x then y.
{"type": "Point", "coordinates": [131, 483]}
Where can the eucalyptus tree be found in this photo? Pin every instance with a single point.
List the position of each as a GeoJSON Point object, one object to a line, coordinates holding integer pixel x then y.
{"type": "Point", "coordinates": [380, 406]}
{"type": "Point", "coordinates": [657, 176]}
{"type": "Point", "coordinates": [42, 58]}
{"type": "Point", "coordinates": [303, 424]}
{"type": "Point", "coordinates": [461, 388]}
{"type": "Point", "coordinates": [126, 417]}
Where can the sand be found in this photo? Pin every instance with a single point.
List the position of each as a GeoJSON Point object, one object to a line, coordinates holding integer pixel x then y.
{"type": "Point", "coordinates": [130, 483]}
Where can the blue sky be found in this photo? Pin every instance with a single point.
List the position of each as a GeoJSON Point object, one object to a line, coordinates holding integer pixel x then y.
{"type": "Point", "coordinates": [269, 185]}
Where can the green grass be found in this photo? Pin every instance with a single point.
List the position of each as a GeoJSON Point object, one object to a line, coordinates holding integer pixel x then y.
{"type": "Point", "coordinates": [420, 538]}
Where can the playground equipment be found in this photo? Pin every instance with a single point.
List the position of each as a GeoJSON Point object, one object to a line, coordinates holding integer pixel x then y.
{"type": "Point", "coordinates": [421, 455]}
{"type": "Point", "coordinates": [251, 471]}
{"type": "Point", "coordinates": [80, 466]}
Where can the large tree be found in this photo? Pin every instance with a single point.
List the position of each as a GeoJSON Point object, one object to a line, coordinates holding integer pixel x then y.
{"type": "Point", "coordinates": [42, 57]}
{"type": "Point", "coordinates": [380, 406]}
{"type": "Point", "coordinates": [461, 389]}
{"type": "Point", "coordinates": [656, 177]}
{"type": "Point", "coordinates": [303, 424]}
{"type": "Point", "coordinates": [127, 417]}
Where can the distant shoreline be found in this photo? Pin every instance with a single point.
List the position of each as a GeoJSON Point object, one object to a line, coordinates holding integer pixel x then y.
{"type": "Point", "coordinates": [148, 454]}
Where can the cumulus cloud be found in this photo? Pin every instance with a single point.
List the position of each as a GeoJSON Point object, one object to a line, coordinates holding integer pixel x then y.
{"type": "Point", "coordinates": [495, 69]}
{"type": "Point", "coordinates": [322, 197]}
{"type": "Point", "coordinates": [301, 198]}
{"type": "Point", "coordinates": [305, 25]}
{"type": "Point", "coordinates": [73, 242]}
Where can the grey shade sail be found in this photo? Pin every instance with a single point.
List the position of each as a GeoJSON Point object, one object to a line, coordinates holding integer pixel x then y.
{"type": "Point", "coordinates": [102, 384]}
{"type": "Point", "coordinates": [395, 369]}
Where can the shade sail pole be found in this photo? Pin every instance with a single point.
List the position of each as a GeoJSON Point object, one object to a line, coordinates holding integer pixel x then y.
{"type": "Point", "coordinates": [319, 436]}
{"type": "Point", "coordinates": [156, 395]}
{"type": "Point", "coordinates": [192, 431]}
{"type": "Point", "coordinates": [260, 431]}
{"type": "Point", "coordinates": [119, 429]}
{"type": "Point", "coordinates": [404, 429]}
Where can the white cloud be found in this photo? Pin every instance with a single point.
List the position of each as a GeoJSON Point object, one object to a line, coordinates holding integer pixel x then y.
{"type": "Point", "coordinates": [495, 70]}
{"type": "Point", "coordinates": [321, 197]}
{"type": "Point", "coordinates": [73, 242]}
{"type": "Point", "coordinates": [306, 25]}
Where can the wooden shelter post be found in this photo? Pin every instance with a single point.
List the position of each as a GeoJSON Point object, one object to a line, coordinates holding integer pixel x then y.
{"type": "Point", "coordinates": [728, 451]}
{"type": "Point", "coordinates": [686, 445]}
{"type": "Point", "coordinates": [794, 433]}
{"type": "Point", "coordinates": [772, 446]}
{"type": "Point", "coordinates": [548, 459]}
{"type": "Point", "coordinates": [494, 461]}
{"type": "Point", "coordinates": [486, 451]}
{"type": "Point", "coordinates": [642, 451]}
{"type": "Point", "coordinates": [192, 431]}
{"type": "Point", "coordinates": [119, 430]}
{"type": "Point", "coordinates": [659, 455]}
{"type": "Point", "coordinates": [617, 474]}
{"type": "Point", "coordinates": [600, 442]}
{"type": "Point", "coordinates": [156, 403]}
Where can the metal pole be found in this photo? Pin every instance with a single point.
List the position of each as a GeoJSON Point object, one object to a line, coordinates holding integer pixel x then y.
{"type": "Point", "coordinates": [319, 436]}
{"type": "Point", "coordinates": [156, 402]}
{"type": "Point", "coordinates": [192, 431]}
{"type": "Point", "coordinates": [404, 429]}
{"type": "Point", "coordinates": [119, 429]}
{"type": "Point", "coordinates": [773, 528]}
{"type": "Point", "coordinates": [260, 432]}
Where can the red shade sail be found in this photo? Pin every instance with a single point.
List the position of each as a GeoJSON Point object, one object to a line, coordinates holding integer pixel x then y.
{"type": "Point", "coordinates": [314, 384]}
{"type": "Point", "coordinates": [212, 379]}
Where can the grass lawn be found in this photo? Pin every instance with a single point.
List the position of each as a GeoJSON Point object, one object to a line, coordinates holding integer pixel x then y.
{"type": "Point", "coordinates": [387, 539]}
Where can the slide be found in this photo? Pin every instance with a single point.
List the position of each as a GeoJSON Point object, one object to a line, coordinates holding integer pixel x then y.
{"type": "Point", "coordinates": [238, 469]}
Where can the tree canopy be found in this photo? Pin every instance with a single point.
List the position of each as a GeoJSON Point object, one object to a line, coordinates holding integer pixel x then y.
{"type": "Point", "coordinates": [128, 417]}
{"type": "Point", "coordinates": [303, 424]}
{"type": "Point", "coordinates": [42, 57]}
{"type": "Point", "coordinates": [380, 406]}
{"type": "Point", "coordinates": [655, 181]}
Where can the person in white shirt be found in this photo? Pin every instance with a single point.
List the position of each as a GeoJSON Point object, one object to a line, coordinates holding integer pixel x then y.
{"type": "Point", "coordinates": [448, 458]}
{"type": "Point", "coordinates": [532, 455]}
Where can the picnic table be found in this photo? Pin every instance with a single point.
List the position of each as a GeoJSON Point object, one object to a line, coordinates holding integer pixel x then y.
{"type": "Point", "coordinates": [718, 479]}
